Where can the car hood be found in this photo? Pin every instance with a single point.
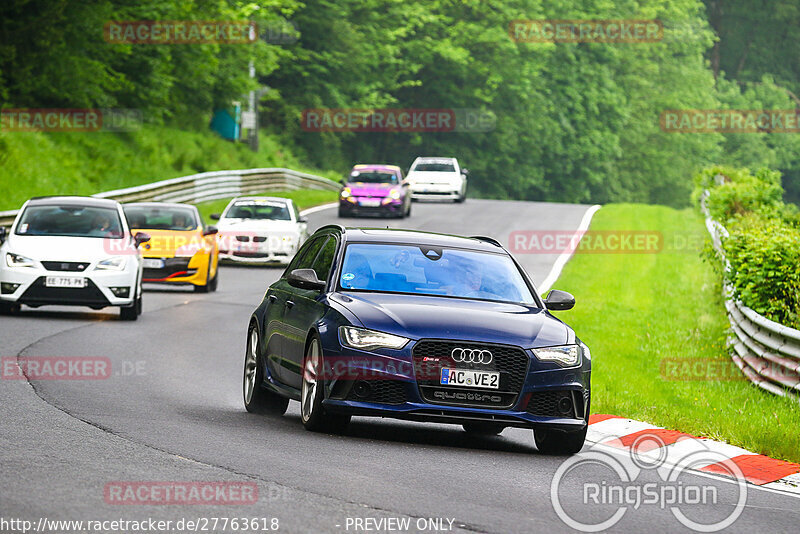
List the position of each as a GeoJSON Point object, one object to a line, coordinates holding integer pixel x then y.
{"type": "Point", "coordinates": [419, 316]}
{"type": "Point", "coordinates": [62, 248]}
{"type": "Point", "coordinates": [431, 177]}
{"type": "Point", "coordinates": [373, 190]}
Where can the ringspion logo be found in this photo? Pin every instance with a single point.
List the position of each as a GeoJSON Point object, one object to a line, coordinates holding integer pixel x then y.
{"type": "Point", "coordinates": [586, 31]}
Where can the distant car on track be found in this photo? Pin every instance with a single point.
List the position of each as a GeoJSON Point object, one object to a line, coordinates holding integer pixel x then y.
{"type": "Point", "coordinates": [437, 179]}
{"type": "Point", "coordinates": [182, 250]}
{"type": "Point", "coordinates": [375, 190]}
{"type": "Point", "coordinates": [260, 230]}
{"type": "Point", "coordinates": [418, 326]}
{"type": "Point", "coordinates": [74, 251]}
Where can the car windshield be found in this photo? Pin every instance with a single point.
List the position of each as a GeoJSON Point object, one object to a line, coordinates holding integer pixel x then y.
{"type": "Point", "coordinates": [259, 210]}
{"type": "Point", "coordinates": [70, 220]}
{"type": "Point", "coordinates": [373, 177]}
{"type": "Point", "coordinates": [160, 218]}
{"type": "Point", "coordinates": [435, 167]}
{"type": "Point", "coordinates": [429, 270]}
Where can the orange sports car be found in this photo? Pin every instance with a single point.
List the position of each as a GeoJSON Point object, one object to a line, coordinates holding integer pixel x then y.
{"type": "Point", "coordinates": [181, 250]}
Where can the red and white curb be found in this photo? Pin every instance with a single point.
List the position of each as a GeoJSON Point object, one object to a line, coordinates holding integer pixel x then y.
{"type": "Point", "coordinates": [675, 447]}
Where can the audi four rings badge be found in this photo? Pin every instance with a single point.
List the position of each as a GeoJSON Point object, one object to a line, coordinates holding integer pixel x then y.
{"type": "Point", "coordinates": [471, 355]}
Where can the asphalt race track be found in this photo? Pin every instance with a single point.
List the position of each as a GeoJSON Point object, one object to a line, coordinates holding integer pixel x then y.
{"type": "Point", "coordinates": [172, 411]}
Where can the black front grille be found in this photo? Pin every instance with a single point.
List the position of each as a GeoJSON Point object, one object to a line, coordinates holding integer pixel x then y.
{"type": "Point", "coordinates": [243, 238]}
{"type": "Point", "coordinates": [430, 356]}
{"type": "Point", "coordinates": [72, 266]}
{"type": "Point", "coordinates": [259, 239]}
{"type": "Point", "coordinates": [171, 266]}
{"type": "Point", "coordinates": [38, 293]}
{"type": "Point", "coordinates": [558, 403]}
{"type": "Point", "coordinates": [252, 254]}
{"type": "Point", "coordinates": [381, 392]}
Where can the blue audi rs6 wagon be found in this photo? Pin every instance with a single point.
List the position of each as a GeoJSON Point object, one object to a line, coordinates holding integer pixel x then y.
{"type": "Point", "coordinates": [418, 326]}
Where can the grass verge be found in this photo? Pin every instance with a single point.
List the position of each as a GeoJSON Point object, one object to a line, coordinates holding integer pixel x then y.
{"type": "Point", "coordinates": [636, 310]}
{"type": "Point", "coordinates": [84, 163]}
{"type": "Point", "coordinates": [303, 198]}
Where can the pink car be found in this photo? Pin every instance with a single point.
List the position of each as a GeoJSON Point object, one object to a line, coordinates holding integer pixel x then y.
{"type": "Point", "coordinates": [375, 190]}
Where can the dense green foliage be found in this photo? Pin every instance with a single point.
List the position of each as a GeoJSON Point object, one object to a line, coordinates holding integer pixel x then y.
{"type": "Point", "coordinates": [763, 245]}
{"type": "Point", "coordinates": [575, 122]}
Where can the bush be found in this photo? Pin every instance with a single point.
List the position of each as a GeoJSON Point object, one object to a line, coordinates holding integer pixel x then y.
{"type": "Point", "coordinates": [741, 193]}
{"type": "Point", "coordinates": [764, 256]}
{"type": "Point", "coordinates": [763, 246]}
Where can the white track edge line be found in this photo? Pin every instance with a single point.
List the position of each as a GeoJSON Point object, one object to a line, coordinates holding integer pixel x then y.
{"type": "Point", "coordinates": [315, 209]}
{"type": "Point", "coordinates": [562, 260]}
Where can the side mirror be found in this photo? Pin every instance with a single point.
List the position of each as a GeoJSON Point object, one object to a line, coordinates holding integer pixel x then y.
{"type": "Point", "coordinates": [141, 237]}
{"type": "Point", "coordinates": [465, 172]}
{"type": "Point", "coordinates": [3, 233]}
{"type": "Point", "coordinates": [305, 279]}
{"type": "Point", "coordinates": [303, 219]}
{"type": "Point", "coordinates": [559, 300]}
{"type": "Point", "coordinates": [210, 230]}
{"type": "Point", "coordinates": [215, 216]}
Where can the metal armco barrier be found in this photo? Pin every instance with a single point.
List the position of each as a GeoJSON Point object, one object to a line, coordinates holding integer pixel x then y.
{"type": "Point", "coordinates": [211, 186]}
{"type": "Point", "coordinates": [768, 353]}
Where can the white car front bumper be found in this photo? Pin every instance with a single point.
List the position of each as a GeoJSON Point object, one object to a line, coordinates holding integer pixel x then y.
{"type": "Point", "coordinates": [423, 191]}
{"type": "Point", "coordinates": [28, 285]}
{"type": "Point", "coordinates": [258, 249]}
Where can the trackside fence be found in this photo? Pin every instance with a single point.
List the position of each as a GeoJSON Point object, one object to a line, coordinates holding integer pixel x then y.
{"type": "Point", "coordinates": [211, 186]}
{"type": "Point", "coordinates": [767, 353]}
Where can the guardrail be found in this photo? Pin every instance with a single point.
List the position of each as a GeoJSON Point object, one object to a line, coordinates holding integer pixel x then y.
{"type": "Point", "coordinates": [767, 353]}
{"type": "Point", "coordinates": [211, 186]}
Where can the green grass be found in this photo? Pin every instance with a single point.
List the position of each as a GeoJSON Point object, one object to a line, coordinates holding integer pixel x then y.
{"type": "Point", "coordinates": [84, 163]}
{"type": "Point", "coordinates": [633, 310]}
{"type": "Point", "coordinates": [303, 198]}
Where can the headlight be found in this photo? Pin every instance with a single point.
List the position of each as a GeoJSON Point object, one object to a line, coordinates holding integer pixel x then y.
{"type": "Point", "coordinates": [567, 355]}
{"type": "Point", "coordinates": [15, 260]}
{"type": "Point", "coordinates": [361, 338]}
{"type": "Point", "coordinates": [346, 192]}
{"type": "Point", "coordinates": [116, 263]}
{"type": "Point", "coordinates": [395, 194]}
{"type": "Point", "coordinates": [187, 251]}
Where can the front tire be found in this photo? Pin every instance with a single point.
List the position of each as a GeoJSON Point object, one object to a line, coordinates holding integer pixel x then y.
{"type": "Point", "coordinates": [312, 413]}
{"type": "Point", "coordinates": [8, 308]}
{"type": "Point", "coordinates": [207, 287]}
{"type": "Point", "coordinates": [559, 442]}
{"type": "Point", "coordinates": [256, 398]}
{"type": "Point", "coordinates": [131, 313]}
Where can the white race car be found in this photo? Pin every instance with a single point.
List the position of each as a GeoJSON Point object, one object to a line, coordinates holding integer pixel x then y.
{"type": "Point", "coordinates": [74, 251]}
{"type": "Point", "coordinates": [260, 230]}
{"type": "Point", "coordinates": [437, 178]}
